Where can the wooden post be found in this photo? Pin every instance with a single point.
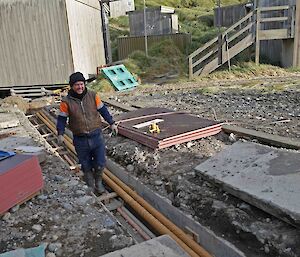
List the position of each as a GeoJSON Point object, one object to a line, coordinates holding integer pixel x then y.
{"type": "Point", "coordinates": [296, 37]}
{"type": "Point", "coordinates": [191, 73]}
{"type": "Point", "coordinates": [257, 43]}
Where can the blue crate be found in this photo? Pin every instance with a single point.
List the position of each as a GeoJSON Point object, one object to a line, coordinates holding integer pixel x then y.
{"type": "Point", "coordinates": [119, 77]}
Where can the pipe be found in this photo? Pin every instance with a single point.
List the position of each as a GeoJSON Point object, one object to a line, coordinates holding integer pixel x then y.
{"type": "Point", "coordinates": [162, 229]}
{"type": "Point", "coordinates": [177, 231]}
{"type": "Point", "coordinates": [137, 221]}
{"type": "Point", "coordinates": [133, 224]}
{"type": "Point", "coordinates": [168, 226]}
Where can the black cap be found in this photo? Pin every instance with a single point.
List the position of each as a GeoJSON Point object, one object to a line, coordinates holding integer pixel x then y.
{"type": "Point", "coordinates": [75, 77]}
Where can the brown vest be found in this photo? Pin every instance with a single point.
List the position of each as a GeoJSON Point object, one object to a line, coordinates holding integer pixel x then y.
{"type": "Point", "coordinates": [83, 115]}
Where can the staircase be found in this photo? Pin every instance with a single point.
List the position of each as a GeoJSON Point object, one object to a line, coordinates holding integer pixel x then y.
{"type": "Point", "coordinates": [265, 23]}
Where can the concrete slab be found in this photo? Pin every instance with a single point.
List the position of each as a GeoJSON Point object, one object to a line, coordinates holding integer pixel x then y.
{"type": "Point", "coordinates": [266, 177]}
{"type": "Point", "coordinates": [8, 120]}
{"type": "Point", "coordinates": [163, 246]}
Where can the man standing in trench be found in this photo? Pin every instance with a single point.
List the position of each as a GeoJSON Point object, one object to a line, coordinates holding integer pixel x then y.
{"type": "Point", "coordinates": [82, 107]}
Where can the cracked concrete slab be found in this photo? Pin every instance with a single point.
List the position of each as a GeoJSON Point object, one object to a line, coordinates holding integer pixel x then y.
{"type": "Point", "coordinates": [163, 246]}
{"type": "Point", "coordinates": [266, 177]}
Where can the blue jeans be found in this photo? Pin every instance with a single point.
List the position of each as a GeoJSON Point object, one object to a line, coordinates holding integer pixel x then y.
{"type": "Point", "coordinates": [90, 149]}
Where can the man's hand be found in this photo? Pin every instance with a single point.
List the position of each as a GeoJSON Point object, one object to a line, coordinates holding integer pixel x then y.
{"type": "Point", "coordinates": [114, 129]}
{"type": "Point", "coordinates": [60, 139]}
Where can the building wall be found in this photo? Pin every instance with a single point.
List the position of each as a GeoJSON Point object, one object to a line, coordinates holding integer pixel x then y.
{"type": "Point", "coordinates": [120, 7]}
{"type": "Point", "coordinates": [276, 51]}
{"type": "Point", "coordinates": [85, 27]}
{"type": "Point", "coordinates": [34, 42]}
{"type": "Point", "coordinates": [157, 23]}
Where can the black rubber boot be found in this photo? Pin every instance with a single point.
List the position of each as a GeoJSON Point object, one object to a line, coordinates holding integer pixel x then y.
{"type": "Point", "coordinates": [98, 180]}
{"type": "Point", "coordinates": [89, 179]}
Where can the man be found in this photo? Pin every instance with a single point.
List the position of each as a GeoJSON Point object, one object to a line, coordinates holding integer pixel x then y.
{"type": "Point", "coordinates": [82, 107]}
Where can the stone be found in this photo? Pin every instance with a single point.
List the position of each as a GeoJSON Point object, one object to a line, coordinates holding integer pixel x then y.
{"type": "Point", "coordinates": [130, 168]}
{"type": "Point", "coordinates": [67, 206]}
{"type": "Point", "coordinates": [37, 228]}
{"type": "Point", "coordinates": [42, 197]}
{"type": "Point", "coordinates": [53, 247]}
{"type": "Point", "coordinates": [232, 138]}
{"type": "Point", "coordinates": [58, 178]}
{"type": "Point", "coordinates": [79, 192]}
{"type": "Point", "coordinates": [6, 216]}
{"type": "Point", "coordinates": [84, 200]}
{"type": "Point", "coordinates": [15, 208]}
{"type": "Point", "coordinates": [158, 183]}
{"type": "Point", "coordinates": [51, 255]}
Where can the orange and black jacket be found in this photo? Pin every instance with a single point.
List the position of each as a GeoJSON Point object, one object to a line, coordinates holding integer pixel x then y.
{"type": "Point", "coordinates": [82, 112]}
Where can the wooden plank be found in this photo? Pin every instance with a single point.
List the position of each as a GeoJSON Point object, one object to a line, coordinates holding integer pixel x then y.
{"type": "Point", "coordinates": [240, 32]}
{"type": "Point", "coordinates": [214, 64]}
{"type": "Point", "coordinates": [239, 47]}
{"type": "Point", "coordinates": [274, 8]}
{"type": "Point", "coordinates": [297, 32]}
{"type": "Point", "coordinates": [118, 105]}
{"type": "Point", "coordinates": [272, 19]}
{"type": "Point", "coordinates": [201, 49]}
{"type": "Point", "coordinates": [248, 16]}
{"type": "Point", "coordinates": [204, 57]}
{"type": "Point", "coordinates": [257, 42]}
{"type": "Point", "coordinates": [269, 139]}
{"type": "Point", "coordinates": [271, 34]}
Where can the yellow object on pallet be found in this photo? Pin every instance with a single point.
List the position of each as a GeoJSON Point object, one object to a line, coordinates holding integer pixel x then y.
{"type": "Point", "coordinates": [154, 128]}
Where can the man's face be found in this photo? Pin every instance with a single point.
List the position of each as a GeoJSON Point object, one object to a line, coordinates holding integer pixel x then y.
{"type": "Point", "coordinates": [78, 87]}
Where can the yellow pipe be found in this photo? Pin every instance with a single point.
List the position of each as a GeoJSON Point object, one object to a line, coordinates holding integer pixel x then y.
{"type": "Point", "coordinates": [167, 223]}
{"type": "Point", "coordinates": [177, 231]}
{"type": "Point", "coordinates": [146, 215]}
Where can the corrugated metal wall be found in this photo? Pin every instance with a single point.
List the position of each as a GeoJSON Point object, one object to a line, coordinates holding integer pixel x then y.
{"type": "Point", "coordinates": [127, 45]}
{"type": "Point", "coordinates": [85, 27]}
{"type": "Point", "coordinates": [34, 42]}
{"type": "Point", "coordinates": [119, 8]}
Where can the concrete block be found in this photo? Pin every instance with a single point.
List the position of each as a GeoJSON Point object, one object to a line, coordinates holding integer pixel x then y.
{"type": "Point", "coordinates": [8, 121]}
{"type": "Point", "coordinates": [266, 177]}
{"type": "Point", "coordinates": [163, 246]}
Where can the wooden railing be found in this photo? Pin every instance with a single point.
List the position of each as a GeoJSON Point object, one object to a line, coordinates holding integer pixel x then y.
{"type": "Point", "coordinates": [241, 35]}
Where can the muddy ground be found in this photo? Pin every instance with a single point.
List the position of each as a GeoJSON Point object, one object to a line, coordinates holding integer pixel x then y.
{"type": "Point", "coordinates": [268, 106]}
{"type": "Point", "coordinates": [64, 216]}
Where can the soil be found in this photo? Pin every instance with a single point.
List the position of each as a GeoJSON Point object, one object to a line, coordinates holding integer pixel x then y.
{"type": "Point", "coordinates": [271, 106]}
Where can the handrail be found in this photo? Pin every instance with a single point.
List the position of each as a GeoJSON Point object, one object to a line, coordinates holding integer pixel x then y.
{"type": "Point", "coordinates": [237, 30]}
{"type": "Point", "coordinates": [248, 16]}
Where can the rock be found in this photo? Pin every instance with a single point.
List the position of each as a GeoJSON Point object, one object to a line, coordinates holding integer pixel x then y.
{"type": "Point", "coordinates": [72, 183]}
{"type": "Point", "coordinates": [189, 144]}
{"type": "Point", "coordinates": [54, 237]}
{"type": "Point", "coordinates": [158, 183]}
{"type": "Point", "coordinates": [15, 208]}
{"type": "Point", "coordinates": [50, 255]}
{"type": "Point", "coordinates": [245, 206]}
{"type": "Point", "coordinates": [42, 197]}
{"type": "Point", "coordinates": [130, 168]}
{"type": "Point", "coordinates": [6, 216]}
{"type": "Point", "coordinates": [120, 241]}
{"type": "Point", "coordinates": [266, 249]}
{"type": "Point", "coordinates": [53, 247]}
{"type": "Point", "coordinates": [84, 200]}
{"type": "Point", "coordinates": [232, 138]}
{"type": "Point", "coordinates": [67, 206]}
{"type": "Point", "coordinates": [38, 228]}
{"type": "Point", "coordinates": [58, 178]}
{"type": "Point", "coordinates": [79, 192]}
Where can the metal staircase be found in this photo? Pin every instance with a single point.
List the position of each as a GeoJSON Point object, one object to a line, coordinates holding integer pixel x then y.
{"type": "Point", "coordinates": [265, 23]}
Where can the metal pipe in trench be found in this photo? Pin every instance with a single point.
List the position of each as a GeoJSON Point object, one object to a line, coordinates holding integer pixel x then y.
{"type": "Point", "coordinates": [108, 176]}
{"type": "Point", "coordinates": [133, 224]}
{"type": "Point", "coordinates": [177, 231]}
{"type": "Point", "coordinates": [162, 229]}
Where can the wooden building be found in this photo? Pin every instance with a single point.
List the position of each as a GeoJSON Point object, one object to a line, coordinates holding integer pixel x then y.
{"type": "Point", "coordinates": [43, 41]}
{"type": "Point", "coordinates": [159, 21]}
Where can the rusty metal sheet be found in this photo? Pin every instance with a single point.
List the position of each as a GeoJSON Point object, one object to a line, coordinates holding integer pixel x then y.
{"type": "Point", "coordinates": [175, 127]}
